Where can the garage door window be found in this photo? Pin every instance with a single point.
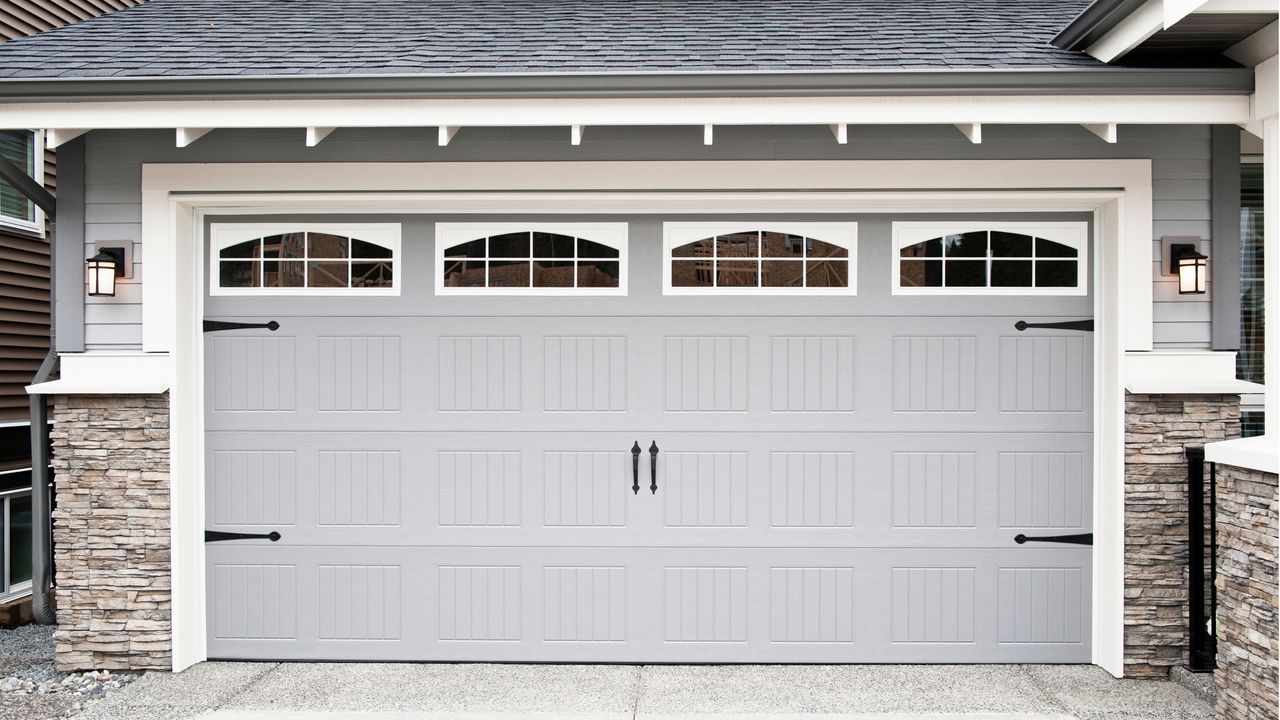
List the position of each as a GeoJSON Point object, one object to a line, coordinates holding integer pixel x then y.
{"type": "Point", "coordinates": [516, 259]}
{"type": "Point", "coordinates": [1044, 259]}
{"type": "Point", "coordinates": [289, 259]}
{"type": "Point", "coordinates": [799, 259]}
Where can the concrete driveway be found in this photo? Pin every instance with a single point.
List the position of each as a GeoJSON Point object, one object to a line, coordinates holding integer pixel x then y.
{"type": "Point", "coordinates": [372, 691]}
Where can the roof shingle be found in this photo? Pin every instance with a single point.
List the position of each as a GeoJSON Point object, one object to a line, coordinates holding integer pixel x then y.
{"type": "Point", "coordinates": [176, 38]}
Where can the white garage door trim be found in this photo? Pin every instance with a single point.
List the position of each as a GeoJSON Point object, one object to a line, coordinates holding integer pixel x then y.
{"type": "Point", "coordinates": [173, 212]}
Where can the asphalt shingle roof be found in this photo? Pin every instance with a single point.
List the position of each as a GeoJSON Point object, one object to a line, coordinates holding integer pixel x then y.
{"type": "Point", "coordinates": [183, 38]}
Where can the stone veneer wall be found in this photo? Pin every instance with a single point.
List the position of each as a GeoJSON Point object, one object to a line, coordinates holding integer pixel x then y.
{"type": "Point", "coordinates": [1248, 674]}
{"type": "Point", "coordinates": [1157, 428]}
{"type": "Point", "coordinates": [111, 531]}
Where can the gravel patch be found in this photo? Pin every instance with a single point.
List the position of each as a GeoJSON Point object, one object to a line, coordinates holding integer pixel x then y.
{"type": "Point", "coordinates": [32, 687]}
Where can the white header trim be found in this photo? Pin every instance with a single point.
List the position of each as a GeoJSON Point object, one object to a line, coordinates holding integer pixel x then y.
{"type": "Point", "coordinates": [675, 234]}
{"type": "Point", "coordinates": [224, 235]}
{"type": "Point", "coordinates": [1072, 234]}
{"type": "Point", "coordinates": [613, 235]}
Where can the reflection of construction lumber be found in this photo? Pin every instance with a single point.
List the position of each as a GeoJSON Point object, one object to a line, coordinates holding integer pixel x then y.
{"type": "Point", "coordinates": [519, 274]}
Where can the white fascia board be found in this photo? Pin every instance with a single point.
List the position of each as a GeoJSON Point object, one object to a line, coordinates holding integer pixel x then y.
{"type": "Point", "coordinates": [564, 112]}
{"type": "Point", "coordinates": [109, 373]}
{"type": "Point", "coordinates": [1129, 33]}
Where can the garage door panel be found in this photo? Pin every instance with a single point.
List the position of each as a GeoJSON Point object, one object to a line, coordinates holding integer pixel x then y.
{"type": "Point", "coordinates": [838, 479]}
{"type": "Point", "coordinates": [489, 374]}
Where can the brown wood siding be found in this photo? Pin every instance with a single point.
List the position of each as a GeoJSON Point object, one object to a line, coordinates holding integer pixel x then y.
{"type": "Point", "coordinates": [20, 18]}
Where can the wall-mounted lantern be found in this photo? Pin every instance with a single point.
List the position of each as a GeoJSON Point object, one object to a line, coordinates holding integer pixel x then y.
{"type": "Point", "coordinates": [102, 270]}
{"type": "Point", "coordinates": [1191, 267]}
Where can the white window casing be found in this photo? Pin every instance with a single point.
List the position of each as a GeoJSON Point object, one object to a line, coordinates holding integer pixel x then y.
{"type": "Point", "coordinates": [841, 234]}
{"type": "Point", "coordinates": [385, 235]}
{"type": "Point", "coordinates": [36, 224]}
{"type": "Point", "coordinates": [1072, 234]}
{"type": "Point", "coordinates": [612, 235]}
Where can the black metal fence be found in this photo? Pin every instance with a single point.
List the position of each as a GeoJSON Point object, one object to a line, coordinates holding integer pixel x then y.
{"type": "Point", "coordinates": [1202, 565]}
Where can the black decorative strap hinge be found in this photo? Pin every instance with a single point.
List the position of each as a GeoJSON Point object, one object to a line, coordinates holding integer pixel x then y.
{"type": "Point", "coordinates": [219, 536]}
{"type": "Point", "coordinates": [216, 325]}
{"type": "Point", "coordinates": [1082, 325]}
{"type": "Point", "coordinates": [1080, 539]}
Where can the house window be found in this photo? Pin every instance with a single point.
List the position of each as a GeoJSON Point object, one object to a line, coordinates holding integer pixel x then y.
{"type": "Point", "coordinates": [305, 260]}
{"type": "Point", "coordinates": [1249, 360]}
{"type": "Point", "coordinates": [531, 259]}
{"type": "Point", "coordinates": [22, 148]}
{"type": "Point", "coordinates": [792, 259]}
{"type": "Point", "coordinates": [946, 259]}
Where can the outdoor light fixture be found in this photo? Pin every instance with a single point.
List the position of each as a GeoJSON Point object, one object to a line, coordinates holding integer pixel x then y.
{"type": "Point", "coordinates": [1191, 267]}
{"type": "Point", "coordinates": [103, 269]}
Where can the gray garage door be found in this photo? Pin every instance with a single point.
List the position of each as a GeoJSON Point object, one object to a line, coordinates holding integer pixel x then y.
{"type": "Point", "coordinates": [821, 478]}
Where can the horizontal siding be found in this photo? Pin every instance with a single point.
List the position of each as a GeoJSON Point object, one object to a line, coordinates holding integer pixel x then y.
{"type": "Point", "coordinates": [20, 18]}
{"type": "Point", "coordinates": [1180, 178]}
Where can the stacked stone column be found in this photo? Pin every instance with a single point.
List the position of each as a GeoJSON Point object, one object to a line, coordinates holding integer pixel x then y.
{"type": "Point", "coordinates": [111, 531]}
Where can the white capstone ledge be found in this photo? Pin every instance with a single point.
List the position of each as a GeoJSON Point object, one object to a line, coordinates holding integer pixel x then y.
{"type": "Point", "coordinates": [1184, 372]}
{"type": "Point", "coordinates": [112, 372]}
{"type": "Point", "coordinates": [1260, 453]}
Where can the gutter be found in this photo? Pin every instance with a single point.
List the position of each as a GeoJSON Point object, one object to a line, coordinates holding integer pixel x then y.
{"type": "Point", "coordinates": [1101, 80]}
{"type": "Point", "coordinates": [1097, 20]}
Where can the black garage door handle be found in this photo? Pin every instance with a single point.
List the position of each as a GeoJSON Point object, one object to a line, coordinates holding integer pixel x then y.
{"type": "Point", "coordinates": [217, 325]}
{"type": "Point", "coordinates": [1080, 539]}
{"type": "Point", "coordinates": [653, 468]}
{"type": "Point", "coordinates": [635, 468]}
{"type": "Point", "coordinates": [219, 536]}
{"type": "Point", "coordinates": [1082, 325]}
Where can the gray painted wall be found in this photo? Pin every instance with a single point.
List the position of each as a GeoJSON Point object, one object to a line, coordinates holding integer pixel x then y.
{"type": "Point", "coordinates": [1181, 161]}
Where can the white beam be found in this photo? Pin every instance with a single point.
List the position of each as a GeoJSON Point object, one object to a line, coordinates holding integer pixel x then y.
{"type": "Point", "coordinates": [316, 135]}
{"type": "Point", "coordinates": [605, 112]}
{"type": "Point", "coordinates": [841, 131]}
{"type": "Point", "coordinates": [1107, 131]}
{"type": "Point", "coordinates": [708, 134]}
{"type": "Point", "coordinates": [446, 134]}
{"type": "Point", "coordinates": [973, 131]}
{"type": "Point", "coordinates": [184, 136]}
{"type": "Point", "coordinates": [575, 134]}
{"type": "Point", "coordinates": [1129, 33]}
{"type": "Point", "coordinates": [54, 137]}
{"type": "Point", "coordinates": [1176, 10]}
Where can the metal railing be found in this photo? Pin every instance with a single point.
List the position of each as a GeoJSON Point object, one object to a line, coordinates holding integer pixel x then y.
{"type": "Point", "coordinates": [1202, 561]}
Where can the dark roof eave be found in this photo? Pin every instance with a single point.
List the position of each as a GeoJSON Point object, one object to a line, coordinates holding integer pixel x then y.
{"type": "Point", "coordinates": [1102, 80]}
{"type": "Point", "coordinates": [1095, 21]}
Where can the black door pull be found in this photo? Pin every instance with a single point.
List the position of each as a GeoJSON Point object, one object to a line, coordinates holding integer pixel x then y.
{"type": "Point", "coordinates": [1080, 539]}
{"type": "Point", "coordinates": [653, 467]}
{"type": "Point", "coordinates": [217, 325]}
{"type": "Point", "coordinates": [219, 536]}
{"type": "Point", "coordinates": [635, 468]}
{"type": "Point", "coordinates": [1082, 325]}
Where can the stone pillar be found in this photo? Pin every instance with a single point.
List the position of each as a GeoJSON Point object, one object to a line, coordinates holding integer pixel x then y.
{"type": "Point", "coordinates": [111, 531]}
{"type": "Point", "coordinates": [1157, 428]}
{"type": "Point", "coordinates": [1248, 675]}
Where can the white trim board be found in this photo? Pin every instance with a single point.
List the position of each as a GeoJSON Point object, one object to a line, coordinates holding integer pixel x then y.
{"type": "Point", "coordinates": [613, 235]}
{"type": "Point", "coordinates": [1071, 234]}
{"type": "Point", "coordinates": [177, 198]}
{"type": "Point", "coordinates": [843, 234]}
{"type": "Point", "coordinates": [302, 113]}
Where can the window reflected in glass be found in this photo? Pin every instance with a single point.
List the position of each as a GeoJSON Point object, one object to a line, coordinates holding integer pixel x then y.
{"type": "Point", "coordinates": [1011, 273]}
{"type": "Point", "coordinates": [510, 245]}
{"type": "Point", "coordinates": [1007, 244]}
{"type": "Point", "coordinates": [782, 273]}
{"type": "Point", "coordinates": [781, 245]}
{"type": "Point", "coordinates": [928, 248]}
{"type": "Point", "coordinates": [234, 273]}
{"type": "Point", "coordinates": [827, 273]}
{"type": "Point", "coordinates": [966, 273]}
{"type": "Point", "coordinates": [324, 245]}
{"type": "Point", "coordinates": [327, 274]}
{"type": "Point", "coordinates": [599, 273]}
{"type": "Point", "coordinates": [508, 274]}
{"type": "Point", "coordinates": [920, 273]}
{"type": "Point", "coordinates": [247, 249]}
{"type": "Point", "coordinates": [1056, 273]}
{"type": "Point", "coordinates": [970, 244]}
{"type": "Point", "coordinates": [691, 273]}
{"type": "Point", "coordinates": [372, 275]}
{"type": "Point", "coordinates": [743, 244]}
